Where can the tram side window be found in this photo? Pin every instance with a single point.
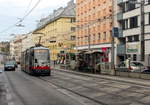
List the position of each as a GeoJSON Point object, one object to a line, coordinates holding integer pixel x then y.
{"type": "Point", "coordinates": [35, 61]}
{"type": "Point", "coordinates": [73, 58]}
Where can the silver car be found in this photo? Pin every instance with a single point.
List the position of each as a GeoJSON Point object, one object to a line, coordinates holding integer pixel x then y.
{"type": "Point", "coordinates": [134, 67]}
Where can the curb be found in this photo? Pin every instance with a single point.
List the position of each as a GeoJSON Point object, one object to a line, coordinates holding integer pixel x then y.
{"type": "Point", "coordinates": [135, 81]}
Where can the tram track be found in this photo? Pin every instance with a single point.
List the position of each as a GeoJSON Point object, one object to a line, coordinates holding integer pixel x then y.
{"type": "Point", "coordinates": [108, 93]}
{"type": "Point", "coordinates": [102, 78]}
{"type": "Point", "coordinates": [60, 81]}
{"type": "Point", "coordinates": [93, 80]}
{"type": "Point", "coordinates": [67, 89]}
{"type": "Point", "coordinates": [82, 95]}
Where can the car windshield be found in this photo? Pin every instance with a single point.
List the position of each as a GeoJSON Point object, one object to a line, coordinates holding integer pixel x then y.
{"type": "Point", "coordinates": [136, 64]}
{"type": "Point", "coordinates": [10, 63]}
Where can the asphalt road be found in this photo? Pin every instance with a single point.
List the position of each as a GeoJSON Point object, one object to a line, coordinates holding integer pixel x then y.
{"type": "Point", "coordinates": [64, 88]}
{"type": "Point", "coordinates": [23, 89]}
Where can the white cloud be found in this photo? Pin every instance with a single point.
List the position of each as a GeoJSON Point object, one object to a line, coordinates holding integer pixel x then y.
{"type": "Point", "coordinates": [12, 9]}
{"type": "Point", "coordinates": [43, 3]}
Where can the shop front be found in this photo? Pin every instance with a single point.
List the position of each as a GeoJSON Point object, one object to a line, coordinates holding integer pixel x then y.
{"type": "Point", "coordinates": [88, 60]}
{"type": "Point", "coordinates": [133, 51]}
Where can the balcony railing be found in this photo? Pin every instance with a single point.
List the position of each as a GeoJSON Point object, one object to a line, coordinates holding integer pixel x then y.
{"type": "Point", "coordinates": [121, 49]}
{"type": "Point", "coordinates": [120, 32]}
{"type": "Point", "coordinates": [119, 1]}
{"type": "Point", "coordinates": [119, 16]}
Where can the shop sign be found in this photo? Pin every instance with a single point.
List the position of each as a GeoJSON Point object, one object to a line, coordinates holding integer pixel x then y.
{"type": "Point", "coordinates": [133, 48]}
{"type": "Point", "coordinates": [104, 49]}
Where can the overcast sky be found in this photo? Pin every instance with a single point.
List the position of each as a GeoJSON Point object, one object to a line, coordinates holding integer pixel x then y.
{"type": "Point", "coordinates": [11, 10]}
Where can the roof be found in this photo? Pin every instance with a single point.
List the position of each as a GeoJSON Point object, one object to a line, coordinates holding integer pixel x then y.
{"type": "Point", "coordinates": [44, 48]}
{"type": "Point", "coordinates": [68, 11]}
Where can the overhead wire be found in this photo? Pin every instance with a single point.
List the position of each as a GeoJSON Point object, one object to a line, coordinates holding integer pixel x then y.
{"type": "Point", "coordinates": [28, 6]}
{"type": "Point", "coordinates": [23, 18]}
{"type": "Point", "coordinates": [31, 9]}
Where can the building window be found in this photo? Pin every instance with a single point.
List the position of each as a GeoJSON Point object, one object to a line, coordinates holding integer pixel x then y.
{"type": "Point", "coordinates": [134, 22]}
{"type": "Point", "coordinates": [99, 36]}
{"type": "Point", "coordinates": [129, 39]}
{"type": "Point", "coordinates": [131, 6]}
{"type": "Point", "coordinates": [86, 38]}
{"type": "Point", "coordinates": [125, 24]}
{"type": "Point", "coordinates": [136, 37]}
{"type": "Point", "coordinates": [127, 6]}
{"type": "Point", "coordinates": [72, 20]}
{"type": "Point", "coordinates": [148, 1]}
{"type": "Point", "coordinates": [93, 37]}
{"type": "Point", "coordinates": [73, 28]}
{"type": "Point", "coordinates": [73, 37]}
{"type": "Point", "coordinates": [149, 18]}
{"type": "Point", "coordinates": [110, 32]}
{"type": "Point", "coordinates": [134, 57]}
{"type": "Point", "coordinates": [104, 36]}
{"type": "Point", "coordinates": [133, 38]}
{"type": "Point", "coordinates": [128, 56]}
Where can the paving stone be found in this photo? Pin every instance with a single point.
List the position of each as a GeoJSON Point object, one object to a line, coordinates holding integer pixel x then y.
{"type": "Point", "coordinates": [97, 94]}
{"type": "Point", "coordinates": [91, 84]}
{"type": "Point", "coordinates": [131, 95]}
{"type": "Point", "coordinates": [117, 85]}
{"type": "Point", "coordinates": [144, 91]}
{"type": "Point", "coordinates": [3, 100]}
{"type": "Point", "coordinates": [113, 100]}
{"type": "Point", "coordinates": [135, 103]}
{"type": "Point", "coordinates": [76, 88]}
{"type": "Point", "coordinates": [146, 100]}
{"type": "Point", "coordinates": [104, 82]}
{"type": "Point", "coordinates": [109, 89]}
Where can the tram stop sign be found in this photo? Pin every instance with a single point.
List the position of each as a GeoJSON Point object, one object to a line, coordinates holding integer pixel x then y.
{"type": "Point", "coordinates": [115, 32]}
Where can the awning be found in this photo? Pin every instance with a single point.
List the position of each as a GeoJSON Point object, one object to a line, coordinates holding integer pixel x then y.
{"type": "Point", "coordinates": [97, 51]}
{"type": "Point", "coordinates": [80, 52]}
{"type": "Point", "coordinates": [94, 51]}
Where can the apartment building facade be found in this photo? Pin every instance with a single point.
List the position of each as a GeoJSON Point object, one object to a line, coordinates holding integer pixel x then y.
{"type": "Point", "coordinates": [58, 30]}
{"type": "Point", "coordinates": [27, 42]}
{"type": "Point", "coordinates": [16, 47]}
{"type": "Point", "coordinates": [129, 20]}
{"type": "Point", "coordinates": [94, 26]}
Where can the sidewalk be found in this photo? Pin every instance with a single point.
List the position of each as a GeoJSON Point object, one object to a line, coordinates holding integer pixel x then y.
{"type": "Point", "coordinates": [3, 91]}
{"type": "Point", "coordinates": [108, 77]}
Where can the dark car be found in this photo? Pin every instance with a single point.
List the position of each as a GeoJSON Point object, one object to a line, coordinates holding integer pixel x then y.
{"type": "Point", "coordinates": [9, 65]}
{"type": "Point", "coordinates": [146, 71]}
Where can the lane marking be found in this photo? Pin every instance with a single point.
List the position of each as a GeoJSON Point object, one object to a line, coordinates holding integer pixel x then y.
{"type": "Point", "coordinates": [8, 96]}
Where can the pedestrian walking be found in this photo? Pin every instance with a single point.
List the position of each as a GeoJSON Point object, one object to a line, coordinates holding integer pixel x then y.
{"type": "Point", "coordinates": [127, 62]}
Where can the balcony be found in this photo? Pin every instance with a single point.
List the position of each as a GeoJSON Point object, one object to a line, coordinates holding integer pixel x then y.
{"type": "Point", "coordinates": [117, 32]}
{"type": "Point", "coordinates": [120, 33]}
{"type": "Point", "coordinates": [121, 49]}
{"type": "Point", "coordinates": [119, 16]}
{"type": "Point", "coordinates": [119, 2]}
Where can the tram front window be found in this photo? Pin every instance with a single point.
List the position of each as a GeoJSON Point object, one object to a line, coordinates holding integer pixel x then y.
{"type": "Point", "coordinates": [41, 56]}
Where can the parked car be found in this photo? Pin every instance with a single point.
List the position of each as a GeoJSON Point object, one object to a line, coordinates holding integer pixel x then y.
{"type": "Point", "coordinates": [1, 70]}
{"type": "Point", "coordinates": [134, 67]}
{"type": "Point", "coordinates": [9, 65]}
{"type": "Point", "coordinates": [146, 71]}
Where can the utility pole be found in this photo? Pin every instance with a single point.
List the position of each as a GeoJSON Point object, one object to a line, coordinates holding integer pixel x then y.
{"type": "Point", "coordinates": [142, 30]}
{"type": "Point", "coordinates": [89, 40]}
{"type": "Point", "coordinates": [113, 40]}
{"type": "Point", "coordinates": [40, 40]}
{"type": "Point", "coordinates": [142, 34]}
